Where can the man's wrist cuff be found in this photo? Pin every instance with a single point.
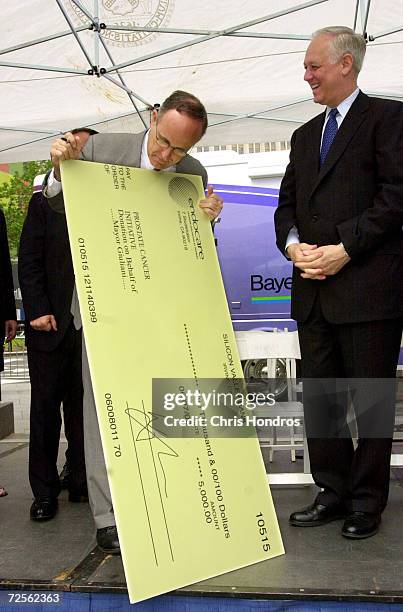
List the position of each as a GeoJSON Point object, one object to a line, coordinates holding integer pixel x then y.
{"type": "Point", "coordinates": [345, 252]}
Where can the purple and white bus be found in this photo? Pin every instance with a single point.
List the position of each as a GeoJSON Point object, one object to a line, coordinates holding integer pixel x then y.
{"type": "Point", "coordinates": [256, 276]}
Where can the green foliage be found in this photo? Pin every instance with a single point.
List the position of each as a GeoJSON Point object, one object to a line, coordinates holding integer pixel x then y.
{"type": "Point", "coordinates": [14, 199]}
{"type": "Point", "coordinates": [16, 345]}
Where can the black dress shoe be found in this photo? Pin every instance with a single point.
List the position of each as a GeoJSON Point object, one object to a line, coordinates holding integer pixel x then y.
{"type": "Point", "coordinates": [43, 508]}
{"type": "Point", "coordinates": [360, 525]}
{"type": "Point", "coordinates": [108, 541]}
{"type": "Point", "coordinates": [317, 514]}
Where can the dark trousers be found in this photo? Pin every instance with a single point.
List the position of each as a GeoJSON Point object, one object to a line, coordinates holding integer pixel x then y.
{"type": "Point", "coordinates": [56, 378]}
{"type": "Point", "coordinates": [356, 361]}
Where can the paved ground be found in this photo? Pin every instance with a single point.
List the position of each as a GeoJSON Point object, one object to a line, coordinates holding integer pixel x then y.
{"type": "Point", "coordinates": [60, 554]}
{"type": "Point", "coordinates": [18, 392]}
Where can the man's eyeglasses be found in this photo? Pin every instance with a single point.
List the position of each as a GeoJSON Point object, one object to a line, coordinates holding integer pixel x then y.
{"type": "Point", "coordinates": [165, 144]}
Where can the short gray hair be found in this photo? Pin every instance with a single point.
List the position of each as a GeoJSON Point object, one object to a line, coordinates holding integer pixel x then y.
{"type": "Point", "coordinates": [345, 40]}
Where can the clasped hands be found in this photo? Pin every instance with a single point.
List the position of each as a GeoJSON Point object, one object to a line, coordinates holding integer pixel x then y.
{"type": "Point", "coordinates": [317, 263]}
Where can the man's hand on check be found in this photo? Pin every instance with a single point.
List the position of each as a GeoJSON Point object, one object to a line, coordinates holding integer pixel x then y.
{"type": "Point", "coordinates": [212, 204]}
{"type": "Point", "coordinates": [67, 147]}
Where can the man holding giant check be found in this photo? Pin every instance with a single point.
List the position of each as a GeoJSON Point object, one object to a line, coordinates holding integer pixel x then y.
{"type": "Point", "coordinates": [143, 254]}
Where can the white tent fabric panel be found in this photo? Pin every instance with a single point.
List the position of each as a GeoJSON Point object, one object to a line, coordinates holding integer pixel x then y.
{"type": "Point", "coordinates": [237, 71]}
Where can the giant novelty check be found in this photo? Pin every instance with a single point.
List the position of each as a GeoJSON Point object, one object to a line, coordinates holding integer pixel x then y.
{"type": "Point", "coordinates": [153, 306]}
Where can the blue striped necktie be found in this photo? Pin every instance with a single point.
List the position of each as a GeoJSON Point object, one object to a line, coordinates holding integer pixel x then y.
{"type": "Point", "coordinates": [328, 135]}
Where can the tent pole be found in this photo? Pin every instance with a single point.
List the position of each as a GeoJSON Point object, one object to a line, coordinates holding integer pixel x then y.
{"type": "Point", "coordinates": [386, 94]}
{"type": "Point", "coordinates": [227, 31]}
{"type": "Point", "coordinates": [125, 88]}
{"type": "Point", "coordinates": [84, 10]}
{"type": "Point", "coordinates": [39, 41]}
{"type": "Point", "coordinates": [386, 33]}
{"type": "Point", "coordinates": [253, 116]}
{"type": "Point", "coordinates": [122, 84]}
{"type": "Point", "coordinates": [83, 49]}
{"type": "Point", "coordinates": [364, 27]}
{"type": "Point", "coordinates": [356, 15]}
{"type": "Point", "coordinates": [271, 36]}
{"type": "Point", "coordinates": [129, 92]}
{"type": "Point", "coordinates": [208, 32]}
{"type": "Point", "coordinates": [267, 110]}
{"type": "Point", "coordinates": [96, 37]}
{"type": "Point", "coordinates": [20, 129]}
{"type": "Point", "coordinates": [45, 68]}
{"type": "Point", "coordinates": [58, 132]}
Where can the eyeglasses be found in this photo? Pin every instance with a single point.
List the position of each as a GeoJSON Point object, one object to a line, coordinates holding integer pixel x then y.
{"type": "Point", "coordinates": [165, 144]}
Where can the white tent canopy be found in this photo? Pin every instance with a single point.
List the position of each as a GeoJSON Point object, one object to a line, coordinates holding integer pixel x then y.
{"type": "Point", "coordinates": [102, 63]}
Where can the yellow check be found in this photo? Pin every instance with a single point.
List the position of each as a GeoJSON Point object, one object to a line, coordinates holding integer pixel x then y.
{"type": "Point", "coordinates": [153, 307]}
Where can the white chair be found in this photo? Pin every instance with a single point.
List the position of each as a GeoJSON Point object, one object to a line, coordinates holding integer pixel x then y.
{"type": "Point", "coordinates": [273, 346]}
{"type": "Point", "coordinates": [285, 345]}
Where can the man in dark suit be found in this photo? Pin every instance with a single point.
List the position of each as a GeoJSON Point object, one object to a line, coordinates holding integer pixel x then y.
{"type": "Point", "coordinates": [54, 353]}
{"type": "Point", "coordinates": [339, 220]}
{"type": "Point", "coordinates": [179, 124]}
{"type": "Point", "coordinates": [8, 318]}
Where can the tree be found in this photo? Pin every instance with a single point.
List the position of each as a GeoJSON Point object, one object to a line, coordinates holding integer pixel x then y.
{"type": "Point", "coordinates": [14, 200]}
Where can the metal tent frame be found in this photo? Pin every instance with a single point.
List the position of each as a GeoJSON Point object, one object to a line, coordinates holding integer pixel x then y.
{"type": "Point", "coordinates": [100, 64]}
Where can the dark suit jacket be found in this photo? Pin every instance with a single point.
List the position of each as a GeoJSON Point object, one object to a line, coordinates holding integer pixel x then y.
{"type": "Point", "coordinates": [45, 272]}
{"type": "Point", "coordinates": [7, 302]}
{"type": "Point", "coordinates": [124, 150]}
{"type": "Point", "coordinates": [355, 198]}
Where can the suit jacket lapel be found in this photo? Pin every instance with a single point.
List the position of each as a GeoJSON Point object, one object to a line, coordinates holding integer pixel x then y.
{"type": "Point", "coordinates": [350, 125]}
